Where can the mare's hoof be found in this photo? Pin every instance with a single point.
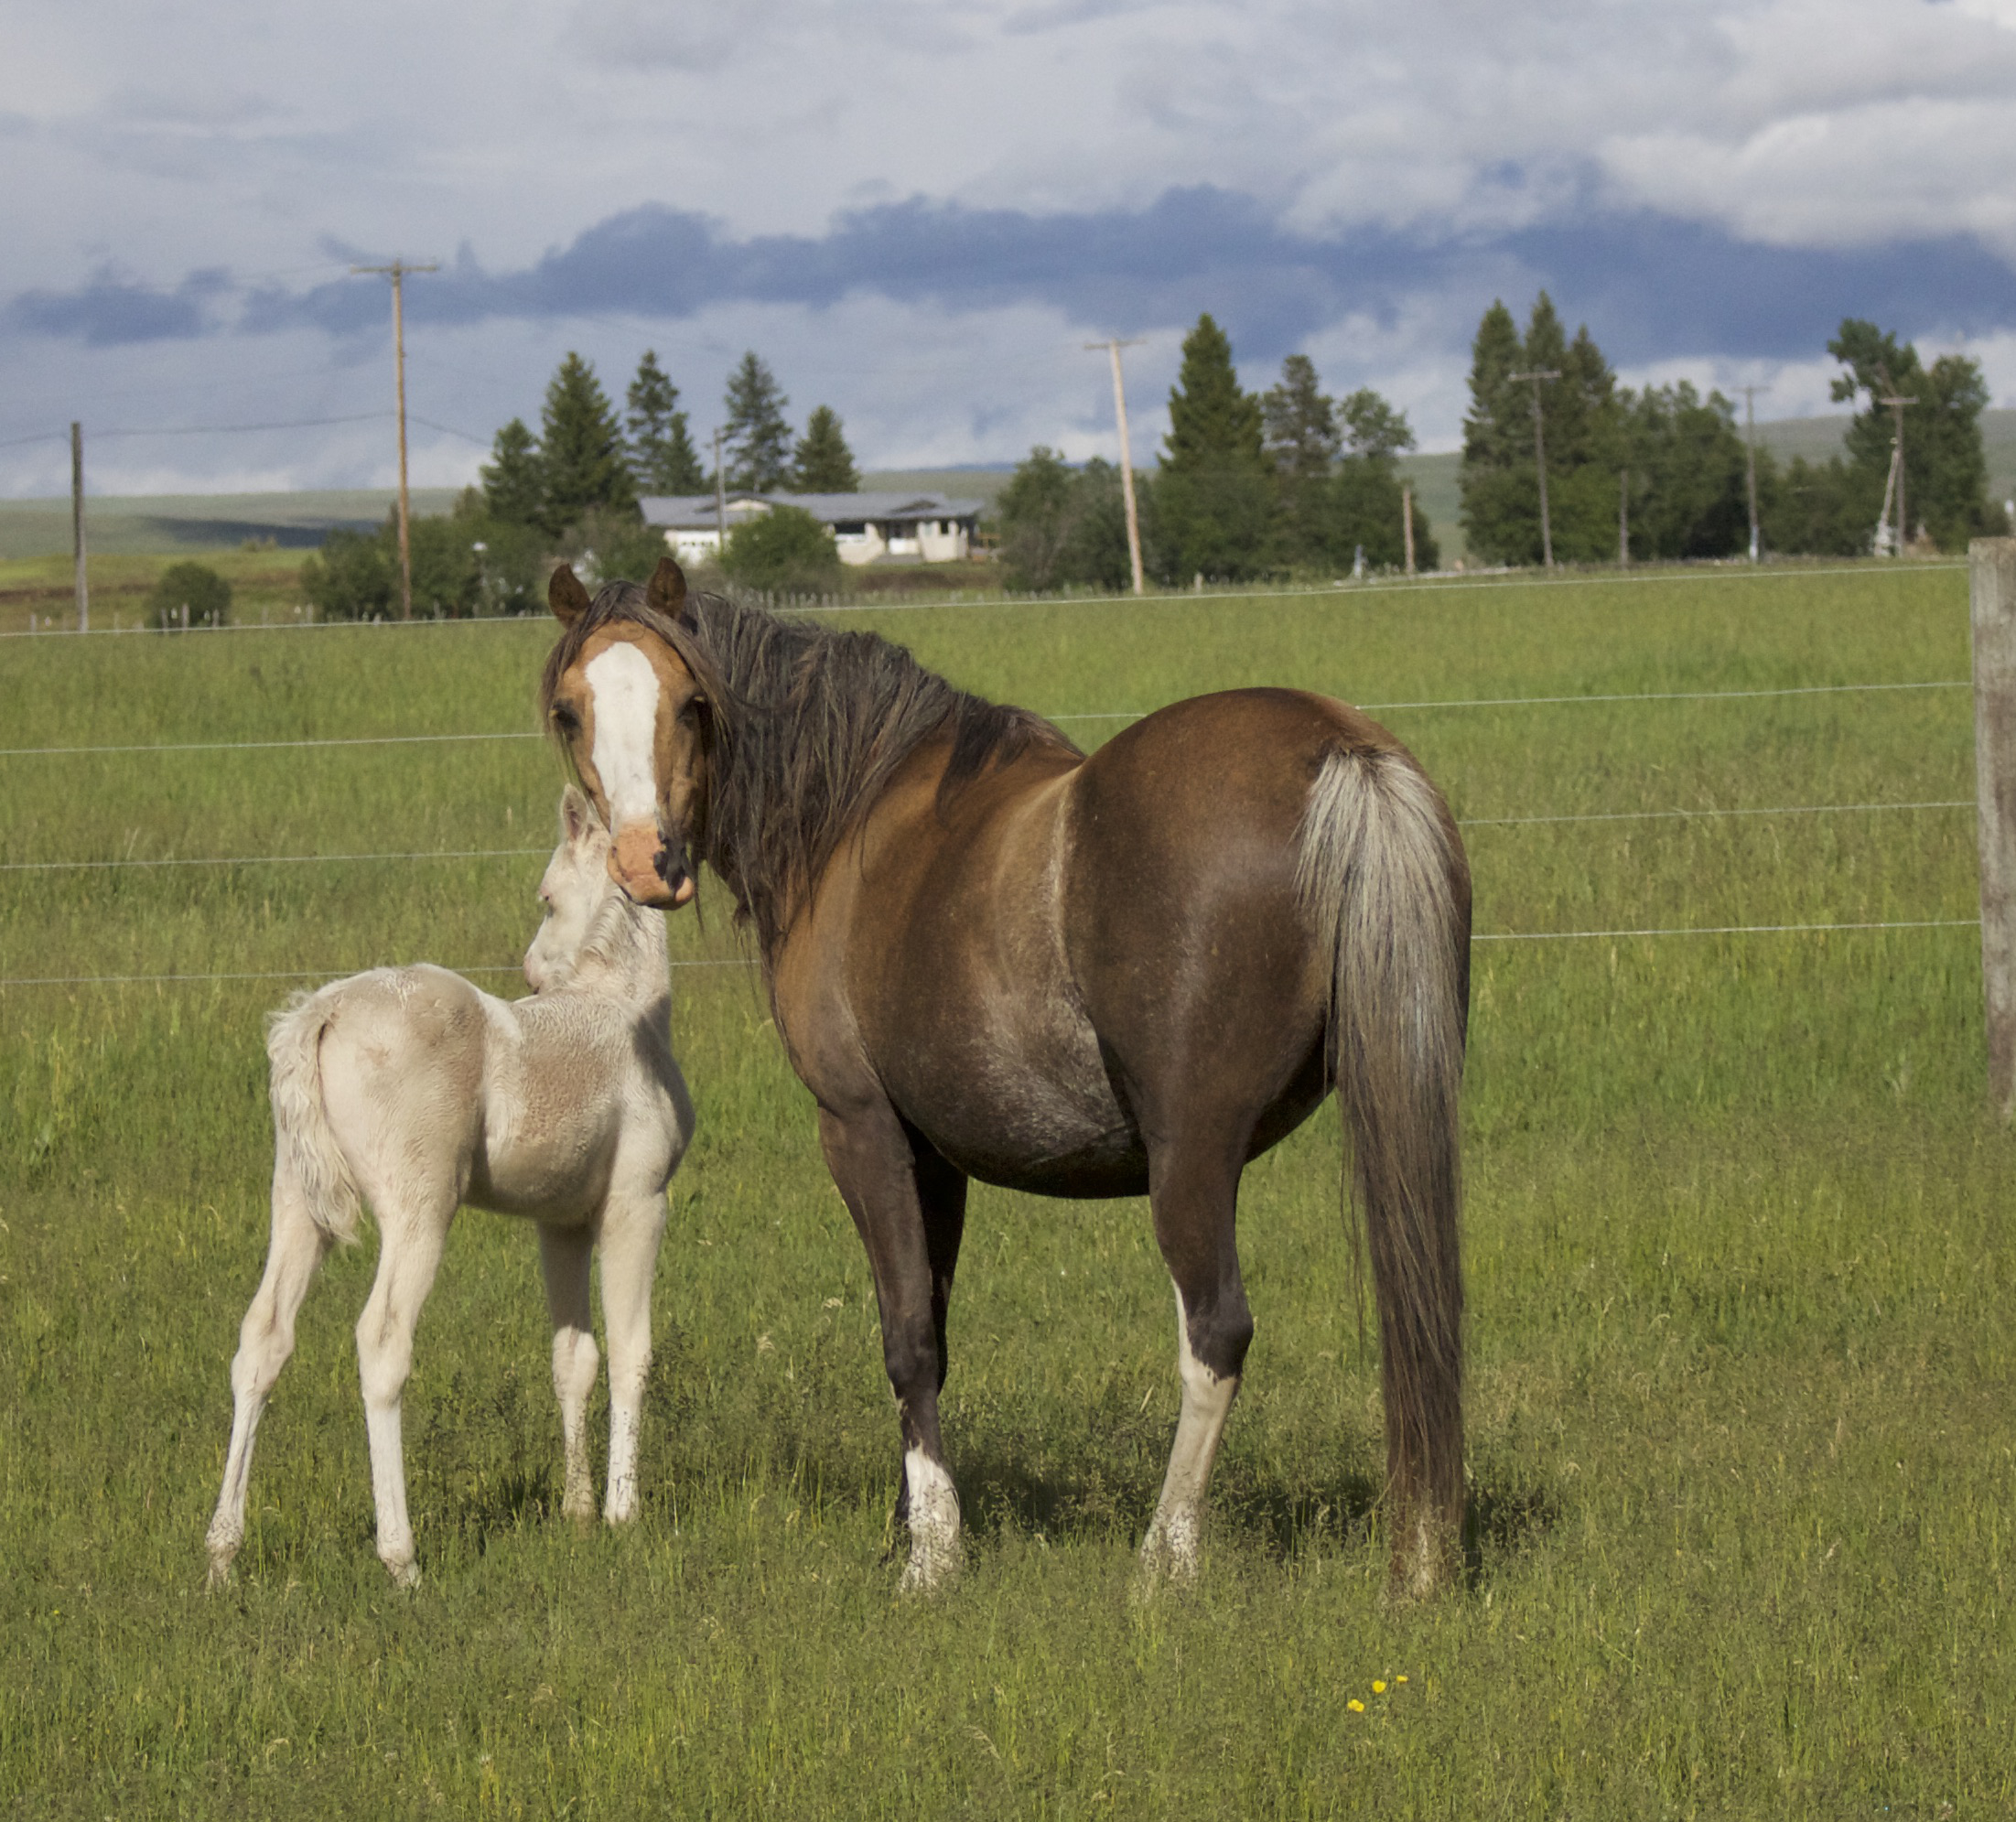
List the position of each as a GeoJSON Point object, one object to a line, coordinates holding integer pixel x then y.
{"type": "Point", "coordinates": [932, 1571]}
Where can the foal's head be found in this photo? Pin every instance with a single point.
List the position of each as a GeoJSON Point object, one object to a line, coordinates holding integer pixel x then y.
{"type": "Point", "coordinates": [574, 894]}
{"type": "Point", "coordinates": [633, 718]}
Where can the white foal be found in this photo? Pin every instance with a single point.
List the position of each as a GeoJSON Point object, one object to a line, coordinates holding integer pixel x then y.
{"type": "Point", "coordinates": [415, 1091]}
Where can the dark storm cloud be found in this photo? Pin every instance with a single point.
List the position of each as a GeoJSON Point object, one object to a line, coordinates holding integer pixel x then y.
{"type": "Point", "coordinates": [1649, 286]}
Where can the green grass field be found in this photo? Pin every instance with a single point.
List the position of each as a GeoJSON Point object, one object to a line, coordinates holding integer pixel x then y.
{"type": "Point", "coordinates": [1741, 1345]}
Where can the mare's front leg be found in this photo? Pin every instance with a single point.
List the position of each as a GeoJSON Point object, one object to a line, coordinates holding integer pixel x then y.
{"type": "Point", "coordinates": [264, 1341]}
{"type": "Point", "coordinates": [564, 1257]}
{"type": "Point", "coordinates": [909, 1211]}
{"type": "Point", "coordinates": [632, 1228]}
{"type": "Point", "coordinates": [410, 1241]}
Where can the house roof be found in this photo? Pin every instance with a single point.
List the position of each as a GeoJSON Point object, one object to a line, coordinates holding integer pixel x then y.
{"type": "Point", "coordinates": [697, 509]}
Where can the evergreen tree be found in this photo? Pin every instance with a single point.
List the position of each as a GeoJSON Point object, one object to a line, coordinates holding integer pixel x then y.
{"type": "Point", "coordinates": [1372, 428]}
{"type": "Point", "coordinates": [581, 448]}
{"type": "Point", "coordinates": [756, 435]}
{"type": "Point", "coordinates": [662, 457]}
{"type": "Point", "coordinates": [1215, 498]}
{"type": "Point", "coordinates": [514, 485]}
{"type": "Point", "coordinates": [1584, 429]}
{"type": "Point", "coordinates": [1945, 467]}
{"type": "Point", "coordinates": [1299, 424]}
{"type": "Point", "coordinates": [822, 463]}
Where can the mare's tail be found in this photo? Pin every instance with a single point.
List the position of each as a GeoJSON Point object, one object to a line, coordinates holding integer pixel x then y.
{"type": "Point", "coordinates": [1382, 875]}
{"type": "Point", "coordinates": [304, 1149]}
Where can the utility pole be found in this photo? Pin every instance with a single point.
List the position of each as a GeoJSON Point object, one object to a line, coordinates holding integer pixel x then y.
{"type": "Point", "coordinates": [1113, 347]}
{"type": "Point", "coordinates": [720, 503]}
{"type": "Point", "coordinates": [1750, 448]}
{"type": "Point", "coordinates": [77, 521]}
{"type": "Point", "coordinates": [1896, 481]}
{"type": "Point", "coordinates": [1623, 518]}
{"type": "Point", "coordinates": [1407, 523]}
{"type": "Point", "coordinates": [396, 271]}
{"type": "Point", "coordinates": [1539, 457]}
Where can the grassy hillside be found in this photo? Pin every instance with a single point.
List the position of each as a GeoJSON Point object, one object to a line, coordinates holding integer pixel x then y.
{"type": "Point", "coordinates": [1740, 1331]}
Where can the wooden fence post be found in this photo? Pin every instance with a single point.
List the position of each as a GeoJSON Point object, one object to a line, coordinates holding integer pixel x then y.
{"type": "Point", "coordinates": [1991, 566]}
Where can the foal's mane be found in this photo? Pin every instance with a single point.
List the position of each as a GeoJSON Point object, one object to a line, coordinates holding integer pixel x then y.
{"type": "Point", "coordinates": [808, 724]}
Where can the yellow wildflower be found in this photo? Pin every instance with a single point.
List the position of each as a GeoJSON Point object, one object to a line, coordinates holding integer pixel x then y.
{"type": "Point", "coordinates": [1399, 1679]}
{"type": "Point", "coordinates": [1355, 1705]}
{"type": "Point", "coordinates": [1379, 1688]}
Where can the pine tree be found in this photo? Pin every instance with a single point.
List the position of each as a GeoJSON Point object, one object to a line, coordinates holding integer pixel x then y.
{"type": "Point", "coordinates": [1299, 424]}
{"type": "Point", "coordinates": [756, 435]}
{"type": "Point", "coordinates": [514, 487]}
{"type": "Point", "coordinates": [1584, 429]}
{"type": "Point", "coordinates": [822, 463]}
{"type": "Point", "coordinates": [1214, 500]}
{"type": "Point", "coordinates": [1372, 429]}
{"type": "Point", "coordinates": [582, 448]}
{"type": "Point", "coordinates": [662, 457]}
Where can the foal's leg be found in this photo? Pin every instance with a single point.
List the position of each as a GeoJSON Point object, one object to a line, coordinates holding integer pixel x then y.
{"type": "Point", "coordinates": [564, 1257]}
{"type": "Point", "coordinates": [410, 1243]}
{"type": "Point", "coordinates": [264, 1341]}
{"type": "Point", "coordinates": [1193, 1190]}
{"type": "Point", "coordinates": [632, 1228]}
{"type": "Point", "coordinates": [909, 1215]}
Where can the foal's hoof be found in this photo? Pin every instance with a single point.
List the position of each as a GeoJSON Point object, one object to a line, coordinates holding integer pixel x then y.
{"type": "Point", "coordinates": [406, 1574]}
{"type": "Point", "coordinates": [1170, 1556]}
{"type": "Point", "coordinates": [219, 1573]}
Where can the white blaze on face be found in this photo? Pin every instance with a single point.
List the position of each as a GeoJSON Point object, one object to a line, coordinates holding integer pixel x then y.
{"type": "Point", "coordinates": [625, 690]}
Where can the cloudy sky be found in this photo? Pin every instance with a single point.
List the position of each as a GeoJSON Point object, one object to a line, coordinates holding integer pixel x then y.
{"type": "Point", "coordinates": [920, 212]}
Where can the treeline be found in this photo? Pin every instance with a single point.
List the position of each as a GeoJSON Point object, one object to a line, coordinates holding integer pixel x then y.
{"type": "Point", "coordinates": [572, 492]}
{"type": "Point", "coordinates": [1661, 473]}
{"type": "Point", "coordinates": [1246, 485]}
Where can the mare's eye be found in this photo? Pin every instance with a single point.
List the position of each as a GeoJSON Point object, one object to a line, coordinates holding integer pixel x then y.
{"type": "Point", "coordinates": [566, 720]}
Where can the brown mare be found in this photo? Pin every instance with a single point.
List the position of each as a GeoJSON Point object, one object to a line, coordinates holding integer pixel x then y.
{"type": "Point", "coordinates": [990, 956]}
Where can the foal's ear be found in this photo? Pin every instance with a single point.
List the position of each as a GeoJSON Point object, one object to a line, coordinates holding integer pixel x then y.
{"type": "Point", "coordinates": [565, 596]}
{"type": "Point", "coordinates": [666, 590]}
{"type": "Point", "coordinates": [576, 815]}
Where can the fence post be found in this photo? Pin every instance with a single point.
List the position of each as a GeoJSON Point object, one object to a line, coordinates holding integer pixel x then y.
{"type": "Point", "coordinates": [1991, 567]}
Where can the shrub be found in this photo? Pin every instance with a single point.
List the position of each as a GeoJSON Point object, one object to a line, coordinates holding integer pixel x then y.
{"type": "Point", "coordinates": [194, 585]}
{"type": "Point", "coordinates": [785, 549]}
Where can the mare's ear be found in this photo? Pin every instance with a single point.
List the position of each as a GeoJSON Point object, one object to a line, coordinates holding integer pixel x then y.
{"type": "Point", "coordinates": [666, 590]}
{"type": "Point", "coordinates": [576, 815]}
{"type": "Point", "coordinates": [565, 596]}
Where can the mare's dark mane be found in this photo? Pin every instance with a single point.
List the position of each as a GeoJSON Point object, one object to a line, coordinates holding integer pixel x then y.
{"type": "Point", "coordinates": [808, 724]}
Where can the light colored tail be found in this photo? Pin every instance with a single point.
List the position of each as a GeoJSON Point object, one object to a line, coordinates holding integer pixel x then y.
{"type": "Point", "coordinates": [304, 1145]}
{"type": "Point", "coordinates": [1382, 876]}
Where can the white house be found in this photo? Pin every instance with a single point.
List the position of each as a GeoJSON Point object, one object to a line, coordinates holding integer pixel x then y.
{"type": "Point", "coordinates": [866, 527]}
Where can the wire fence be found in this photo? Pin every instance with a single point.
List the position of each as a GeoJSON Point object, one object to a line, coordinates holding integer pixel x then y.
{"type": "Point", "coordinates": [979, 600]}
{"type": "Point", "coordinates": [1435, 704]}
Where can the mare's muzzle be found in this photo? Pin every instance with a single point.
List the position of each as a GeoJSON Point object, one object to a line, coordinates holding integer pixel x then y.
{"type": "Point", "coordinates": [649, 871]}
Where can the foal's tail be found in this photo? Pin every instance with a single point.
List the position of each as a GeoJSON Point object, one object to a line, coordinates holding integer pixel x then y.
{"type": "Point", "coordinates": [1382, 874]}
{"type": "Point", "coordinates": [304, 1149]}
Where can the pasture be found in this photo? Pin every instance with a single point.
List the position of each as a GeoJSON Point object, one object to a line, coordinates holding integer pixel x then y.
{"type": "Point", "coordinates": [1742, 1354]}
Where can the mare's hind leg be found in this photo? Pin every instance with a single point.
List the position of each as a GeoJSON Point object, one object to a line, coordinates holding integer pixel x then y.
{"type": "Point", "coordinates": [564, 1257]}
{"type": "Point", "coordinates": [264, 1341]}
{"type": "Point", "coordinates": [631, 1229]}
{"type": "Point", "coordinates": [1194, 1190]}
{"type": "Point", "coordinates": [910, 1214]}
{"type": "Point", "coordinates": [410, 1242]}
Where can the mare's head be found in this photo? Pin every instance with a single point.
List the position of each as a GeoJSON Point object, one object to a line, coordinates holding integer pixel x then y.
{"type": "Point", "coordinates": [623, 695]}
{"type": "Point", "coordinates": [574, 895]}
